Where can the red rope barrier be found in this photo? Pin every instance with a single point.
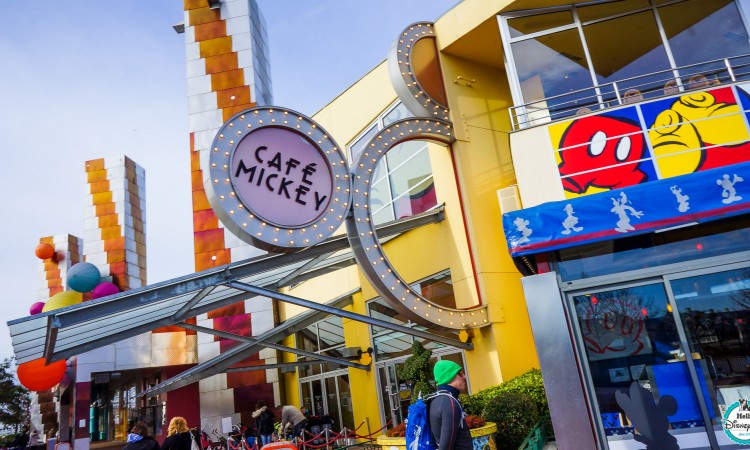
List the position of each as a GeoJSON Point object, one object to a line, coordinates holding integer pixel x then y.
{"type": "Point", "coordinates": [367, 436]}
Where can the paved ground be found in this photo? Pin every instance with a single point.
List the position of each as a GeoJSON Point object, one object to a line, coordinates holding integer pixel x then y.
{"type": "Point", "coordinates": [550, 446]}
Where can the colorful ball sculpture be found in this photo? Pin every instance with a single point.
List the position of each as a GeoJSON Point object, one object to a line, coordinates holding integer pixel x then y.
{"type": "Point", "coordinates": [44, 251]}
{"type": "Point", "coordinates": [36, 308]}
{"type": "Point", "coordinates": [37, 376]}
{"type": "Point", "coordinates": [83, 277]}
{"type": "Point", "coordinates": [104, 289]}
{"type": "Point", "coordinates": [62, 299]}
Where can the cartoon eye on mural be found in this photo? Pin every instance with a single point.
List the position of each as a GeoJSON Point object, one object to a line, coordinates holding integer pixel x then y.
{"type": "Point", "coordinates": [698, 131]}
{"type": "Point", "coordinates": [605, 152]}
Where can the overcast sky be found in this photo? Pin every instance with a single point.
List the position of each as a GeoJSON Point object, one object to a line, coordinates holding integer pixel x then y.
{"type": "Point", "coordinates": [82, 80]}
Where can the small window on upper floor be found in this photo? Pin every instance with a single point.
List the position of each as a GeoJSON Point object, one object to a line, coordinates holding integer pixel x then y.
{"type": "Point", "coordinates": [403, 184]}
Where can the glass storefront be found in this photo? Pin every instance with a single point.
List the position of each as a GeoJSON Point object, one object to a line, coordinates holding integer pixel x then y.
{"type": "Point", "coordinates": [665, 347]}
{"type": "Point", "coordinates": [325, 387]}
{"type": "Point", "coordinates": [116, 405]}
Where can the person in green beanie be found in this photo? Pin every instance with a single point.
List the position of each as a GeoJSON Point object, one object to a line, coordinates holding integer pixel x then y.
{"type": "Point", "coordinates": [447, 418]}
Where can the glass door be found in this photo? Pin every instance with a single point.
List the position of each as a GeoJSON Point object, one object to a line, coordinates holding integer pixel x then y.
{"type": "Point", "coordinates": [715, 312]}
{"type": "Point", "coordinates": [395, 395]}
{"type": "Point", "coordinates": [641, 376]}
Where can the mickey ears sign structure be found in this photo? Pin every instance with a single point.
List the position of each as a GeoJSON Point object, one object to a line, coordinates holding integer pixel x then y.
{"type": "Point", "coordinates": [280, 182]}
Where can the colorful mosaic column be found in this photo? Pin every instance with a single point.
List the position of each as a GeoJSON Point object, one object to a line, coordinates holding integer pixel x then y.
{"type": "Point", "coordinates": [53, 274]}
{"type": "Point", "coordinates": [54, 271]}
{"type": "Point", "coordinates": [114, 222]}
{"type": "Point", "coordinates": [228, 72]}
{"type": "Point", "coordinates": [115, 242]}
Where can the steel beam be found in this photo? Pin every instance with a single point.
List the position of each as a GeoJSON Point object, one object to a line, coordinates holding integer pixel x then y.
{"type": "Point", "coordinates": [349, 315]}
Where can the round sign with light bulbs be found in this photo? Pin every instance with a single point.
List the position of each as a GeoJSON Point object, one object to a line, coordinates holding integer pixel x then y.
{"type": "Point", "coordinates": [277, 179]}
{"type": "Point", "coordinates": [280, 182]}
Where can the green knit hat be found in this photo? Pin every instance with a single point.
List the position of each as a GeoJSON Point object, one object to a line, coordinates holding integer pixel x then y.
{"type": "Point", "coordinates": [445, 371]}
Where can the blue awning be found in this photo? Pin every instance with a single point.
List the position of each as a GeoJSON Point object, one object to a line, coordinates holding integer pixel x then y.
{"type": "Point", "coordinates": [655, 206]}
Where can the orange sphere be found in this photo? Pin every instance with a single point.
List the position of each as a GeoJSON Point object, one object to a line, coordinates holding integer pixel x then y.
{"type": "Point", "coordinates": [44, 251]}
{"type": "Point", "coordinates": [36, 376]}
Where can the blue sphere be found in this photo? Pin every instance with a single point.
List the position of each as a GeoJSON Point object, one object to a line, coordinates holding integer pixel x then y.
{"type": "Point", "coordinates": [83, 277]}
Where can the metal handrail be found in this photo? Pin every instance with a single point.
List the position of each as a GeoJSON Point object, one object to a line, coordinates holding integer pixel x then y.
{"type": "Point", "coordinates": [612, 94]}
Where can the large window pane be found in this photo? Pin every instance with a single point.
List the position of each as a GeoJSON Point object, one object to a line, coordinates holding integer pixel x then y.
{"type": "Point", "coordinates": [604, 10]}
{"type": "Point", "coordinates": [397, 113]}
{"type": "Point", "coordinates": [331, 332]}
{"type": "Point", "coordinates": [357, 147]}
{"type": "Point", "coordinates": [644, 54]}
{"type": "Point", "coordinates": [345, 397]}
{"type": "Point", "coordinates": [715, 311]}
{"type": "Point", "coordinates": [539, 22]}
{"type": "Point", "coordinates": [636, 361]}
{"type": "Point", "coordinates": [553, 65]}
{"type": "Point", "coordinates": [700, 31]}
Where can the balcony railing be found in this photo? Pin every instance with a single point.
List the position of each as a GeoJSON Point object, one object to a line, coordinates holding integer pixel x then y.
{"type": "Point", "coordinates": [653, 85]}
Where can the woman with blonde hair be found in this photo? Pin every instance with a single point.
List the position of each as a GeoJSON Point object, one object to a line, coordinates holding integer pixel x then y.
{"type": "Point", "coordinates": [178, 435]}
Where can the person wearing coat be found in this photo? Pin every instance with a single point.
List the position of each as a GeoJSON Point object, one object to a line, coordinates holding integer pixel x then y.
{"type": "Point", "coordinates": [263, 422]}
{"type": "Point", "coordinates": [447, 418]}
{"type": "Point", "coordinates": [138, 439]}
{"type": "Point", "coordinates": [178, 435]}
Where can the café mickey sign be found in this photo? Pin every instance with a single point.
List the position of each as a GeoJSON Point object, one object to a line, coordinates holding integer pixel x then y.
{"type": "Point", "coordinates": [280, 182]}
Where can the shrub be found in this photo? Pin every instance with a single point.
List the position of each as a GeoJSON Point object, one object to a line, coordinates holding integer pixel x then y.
{"type": "Point", "coordinates": [417, 370]}
{"type": "Point", "coordinates": [515, 415]}
{"type": "Point", "coordinates": [530, 383]}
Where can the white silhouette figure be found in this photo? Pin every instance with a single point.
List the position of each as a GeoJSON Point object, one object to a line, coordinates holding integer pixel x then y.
{"type": "Point", "coordinates": [729, 192]}
{"type": "Point", "coordinates": [571, 221]}
{"type": "Point", "coordinates": [522, 226]}
{"type": "Point", "coordinates": [682, 200]}
{"type": "Point", "coordinates": [621, 208]}
{"type": "Point", "coordinates": [415, 443]}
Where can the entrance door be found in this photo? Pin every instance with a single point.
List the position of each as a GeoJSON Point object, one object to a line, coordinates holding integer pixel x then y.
{"type": "Point", "coordinates": [640, 371]}
{"type": "Point", "coordinates": [715, 312]}
{"type": "Point", "coordinates": [396, 396]}
{"type": "Point", "coordinates": [312, 397]}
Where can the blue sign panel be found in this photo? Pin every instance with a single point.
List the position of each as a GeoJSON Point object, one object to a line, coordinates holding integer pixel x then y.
{"type": "Point", "coordinates": [696, 197]}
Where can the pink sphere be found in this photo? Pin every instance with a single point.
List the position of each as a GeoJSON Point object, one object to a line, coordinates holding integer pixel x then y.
{"type": "Point", "coordinates": [104, 289]}
{"type": "Point", "coordinates": [36, 308]}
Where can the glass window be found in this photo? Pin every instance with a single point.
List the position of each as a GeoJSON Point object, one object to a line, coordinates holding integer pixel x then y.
{"type": "Point", "coordinates": [700, 31]}
{"type": "Point", "coordinates": [553, 67]}
{"type": "Point", "coordinates": [402, 183]}
{"type": "Point", "coordinates": [604, 10]}
{"type": "Point", "coordinates": [654, 249]}
{"type": "Point", "coordinates": [391, 344]}
{"type": "Point", "coordinates": [638, 367]}
{"type": "Point", "coordinates": [644, 54]}
{"type": "Point", "coordinates": [325, 337]}
{"type": "Point", "coordinates": [715, 311]}
{"type": "Point", "coordinates": [539, 22]}
{"type": "Point", "coordinates": [358, 146]}
{"type": "Point", "coordinates": [622, 39]}
{"type": "Point", "coordinates": [397, 113]}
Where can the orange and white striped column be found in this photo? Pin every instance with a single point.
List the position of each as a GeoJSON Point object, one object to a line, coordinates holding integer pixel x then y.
{"type": "Point", "coordinates": [114, 220]}
{"type": "Point", "coordinates": [227, 72]}
{"type": "Point", "coordinates": [53, 272]}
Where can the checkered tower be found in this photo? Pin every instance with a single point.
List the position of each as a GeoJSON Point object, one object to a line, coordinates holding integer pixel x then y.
{"type": "Point", "coordinates": [115, 242]}
{"type": "Point", "coordinates": [227, 72]}
{"type": "Point", "coordinates": [114, 220]}
{"type": "Point", "coordinates": [53, 273]}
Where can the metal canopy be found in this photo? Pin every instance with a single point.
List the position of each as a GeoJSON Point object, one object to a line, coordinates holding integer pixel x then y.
{"type": "Point", "coordinates": [70, 331]}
